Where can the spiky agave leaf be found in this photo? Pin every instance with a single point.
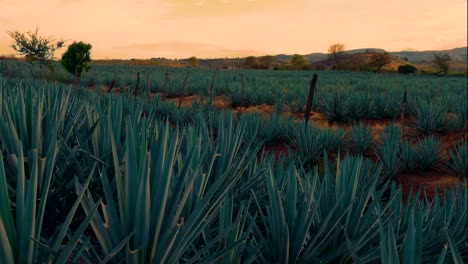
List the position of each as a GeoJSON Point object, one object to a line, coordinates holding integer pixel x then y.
{"type": "Point", "coordinates": [429, 117]}
{"type": "Point", "coordinates": [408, 156]}
{"type": "Point", "coordinates": [334, 107]}
{"type": "Point", "coordinates": [429, 153]}
{"type": "Point", "coordinates": [360, 138]}
{"type": "Point", "coordinates": [388, 150]}
{"type": "Point", "coordinates": [459, 159]}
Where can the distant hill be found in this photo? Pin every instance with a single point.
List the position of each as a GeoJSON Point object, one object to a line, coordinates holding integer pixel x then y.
{"type": "Point", "coordinates": [457, 54]}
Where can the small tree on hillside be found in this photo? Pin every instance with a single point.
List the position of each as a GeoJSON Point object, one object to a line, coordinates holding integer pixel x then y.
{"type": "Point", "coordinates": [335, 52]}
{"type": "Point", "coordinates": [35, 48]}
{"type": "Point", "coordinates": [442, 62]}
{"type": "Point", "coordinates": [193, 61]}
{"type": "Point", "coordinates": [380, 59]}
{"type": "Point", "coordinates": [266, 61]}
{"type": "Point", "coordinates": [77, 58]}
{"type": "Point", "coordinates": [250, 62]}
{"type": "Point", "coordinates": [298, 61]}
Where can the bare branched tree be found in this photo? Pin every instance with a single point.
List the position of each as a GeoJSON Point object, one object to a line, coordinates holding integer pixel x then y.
{"type": "Point", "coordinates": [442, 62]}
{"type": "Point", "coordinates": [335, 52]}
{"type": "Point", "coordinates": [34, 47]}
{"type": "Point", "coordinates": [380, 59]}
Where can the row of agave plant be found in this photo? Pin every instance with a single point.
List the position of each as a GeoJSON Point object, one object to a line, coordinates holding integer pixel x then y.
{"type": "Point", "coordinates": [434, 104]}
{"type": "Point", "coordinates": [93, 179]}
{"type": "Point", "coordinates": [396, 154]}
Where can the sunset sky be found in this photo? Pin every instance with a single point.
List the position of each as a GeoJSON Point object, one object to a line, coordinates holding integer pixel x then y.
{"type": "Point", "coordinates": [232, 28]}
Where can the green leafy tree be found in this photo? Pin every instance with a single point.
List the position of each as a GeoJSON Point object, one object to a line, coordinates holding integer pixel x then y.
{"type": "Point", "coordinates": [442, 62]}
{"type": "Point", "coordinates": [298, 61]}
{"type": "Point", "coordinates": [193, 61]}
{"type": "Point", "coordinates": [77, 58]}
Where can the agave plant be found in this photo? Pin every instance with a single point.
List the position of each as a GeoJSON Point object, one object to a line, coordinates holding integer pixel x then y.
{"type": "Point", "coordinates": [408, 156]}
{"type": "Point", "coordinates": [21, 224]}
{"type": "Point", "coordinates": [33, 121]}
{"type": "Point", "coordinates": [459, 159]}
{"type": "Point", "coordinates": [276, 129]}
{"type": "Point", "coordinates": [307, 143]}
{"type": "Point", "coordinates": [307, 220]}
{"type": "Point", "coordinates": [165, 199]}
{"type": "Point", "coordinates": [429, 117]}
{"type": "Point", "coordinates": [334, 107]}
{"type": "Point", "coordinates": [388, 151]}
{"type": "Point", "coordinates": [412, 252]}
{"type": "Point", "coordinates": [429, 153]}
{"type": "Point", "coordinates": [360, 138]}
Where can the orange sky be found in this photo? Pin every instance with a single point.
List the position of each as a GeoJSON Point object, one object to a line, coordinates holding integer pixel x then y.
{"type": "Point", "coordinates": [231, 28]}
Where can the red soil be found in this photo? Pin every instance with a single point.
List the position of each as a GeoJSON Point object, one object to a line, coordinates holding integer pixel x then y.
{"type": "Point", "coordinates": [429, 181]}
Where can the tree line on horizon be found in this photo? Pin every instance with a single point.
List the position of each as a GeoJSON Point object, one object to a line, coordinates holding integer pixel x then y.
{"type": "Point", "coordinates": [77, 58]}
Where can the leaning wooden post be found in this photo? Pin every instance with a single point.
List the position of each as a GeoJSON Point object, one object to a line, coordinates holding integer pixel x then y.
{"type": "Point", "coordinates": [147, 85]}
{"type": "Point", "coordinates": [19, 69]}
{"type": "Point", "coordinates": [210, 90]}
{"type": "Point", "coordinates": [166, 82]}
{"type": "Point", "coordinates": [135, 93]}
{"type": "Point", "coordinates": [111, 86]}
{"type": "Point", "coordinates": [242, 92]}
{"type": "Point", "coordinates": [181, 94]}
{"type": "Point", "coordinates": [2, 63]}
{"type": "Point", "coordinates": [402, 116]}
{"type": "Point", "coordinates": [310, 98]}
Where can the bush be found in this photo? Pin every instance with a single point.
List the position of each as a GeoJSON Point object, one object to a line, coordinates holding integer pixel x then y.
{"type": "Point", "coordinates": [77, 58]}
{"type": "Point", "coordinates": [406, 69]}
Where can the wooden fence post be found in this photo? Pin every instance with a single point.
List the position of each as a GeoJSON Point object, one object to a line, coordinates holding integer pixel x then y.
{"type": "Point", "coordinates": [242, 92]}
{"type": "Point", "coordinates": [166, 83]}
{"type": "Point", "coordinates": [181, 94]}
{"type": "Point", "coordinates": [402, 116]}
{"type": "Point", "coordinates": [135, 93]}
{"type": "Point", "coordinates": [310, 98]}
{"type": "Point", "coordinates": [210, 90]}
{"type": "Point", "coordinates": [147, 86]}
{"type": "Point", "coordinates": [111, 86]}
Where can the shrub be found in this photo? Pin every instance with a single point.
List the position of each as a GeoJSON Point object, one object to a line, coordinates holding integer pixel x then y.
{"type": "Point", "coordinates": [406, 69]}
{"type": "Point", "coordinates": [77, 58]}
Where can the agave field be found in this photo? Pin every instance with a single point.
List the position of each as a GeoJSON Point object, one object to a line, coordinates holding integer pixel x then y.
{"type": "Point", "coordinates": [204, 166]}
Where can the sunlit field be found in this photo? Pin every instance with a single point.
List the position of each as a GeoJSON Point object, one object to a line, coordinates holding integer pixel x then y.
{"type": "Point", "coordinates": [144, 164]}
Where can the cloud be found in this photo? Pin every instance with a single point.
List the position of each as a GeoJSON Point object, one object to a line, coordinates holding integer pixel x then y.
{"type": "Point", "coordinates": [218, 8]}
